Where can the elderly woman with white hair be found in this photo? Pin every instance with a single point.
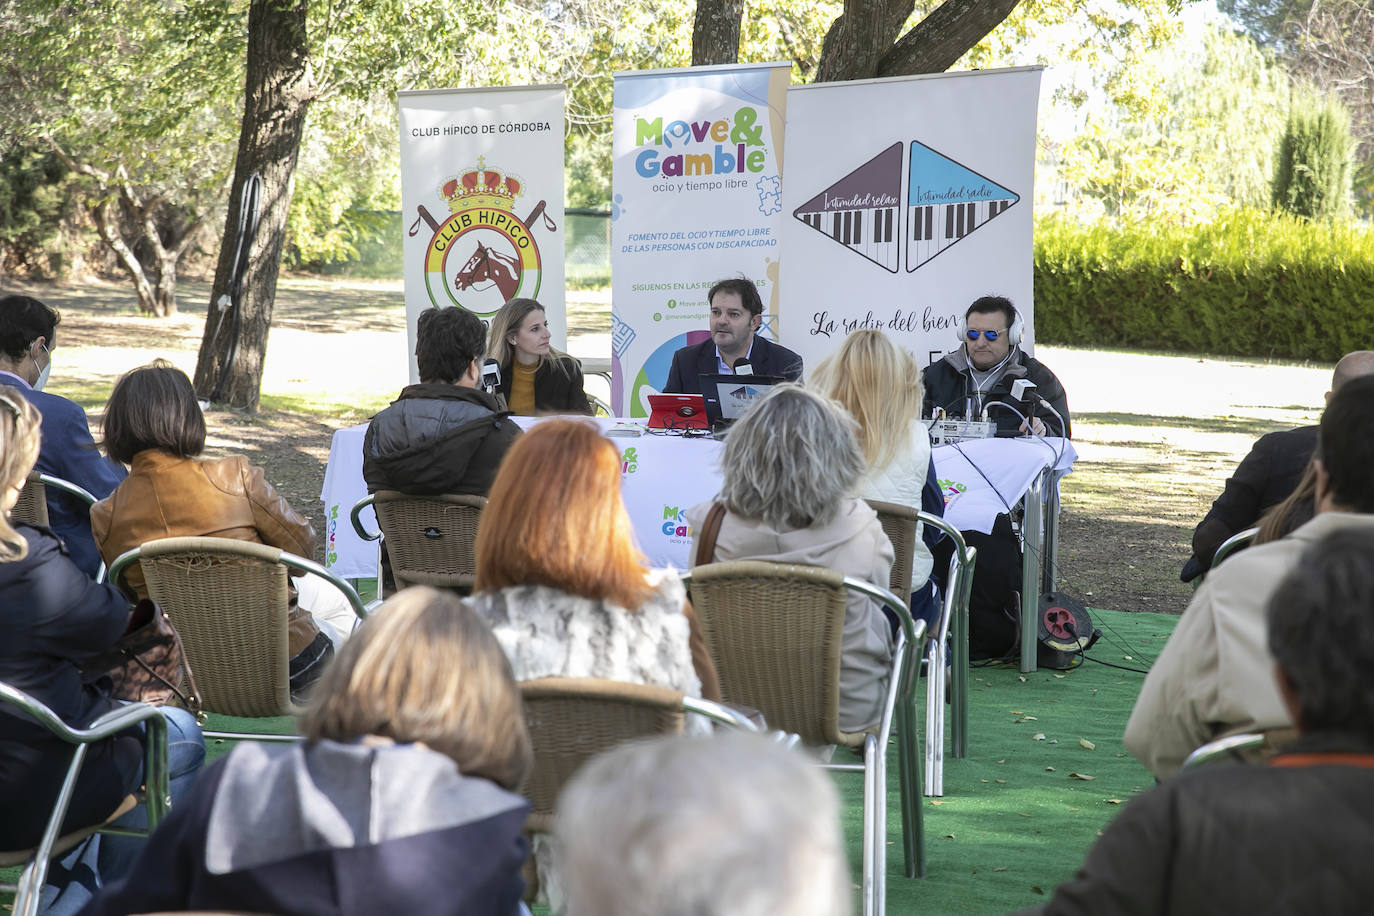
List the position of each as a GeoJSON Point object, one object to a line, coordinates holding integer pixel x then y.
{"type": "Point", "coordinates": [791, 467]}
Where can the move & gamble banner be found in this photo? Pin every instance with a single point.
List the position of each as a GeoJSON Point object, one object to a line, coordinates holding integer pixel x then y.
{"type": "Point", "coordinates": [697, 177]}
{"type": "Point", "coordinates": [482, 201]}
{"type": "Point", "coordinates": [905, 200]}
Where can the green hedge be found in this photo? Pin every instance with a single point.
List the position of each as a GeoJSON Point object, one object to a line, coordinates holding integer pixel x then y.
{"type": "Point", "coordinates": [1250, 284]}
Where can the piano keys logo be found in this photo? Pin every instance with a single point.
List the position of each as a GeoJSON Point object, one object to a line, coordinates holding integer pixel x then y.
{"type": "Point", "coordinates": [945, 202]}
{"type": "Point", "coordinates": [483, 254]}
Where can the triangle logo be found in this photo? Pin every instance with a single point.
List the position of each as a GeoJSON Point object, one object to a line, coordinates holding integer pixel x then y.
{"type": "Point", "coordinates": [946, 201]}
{"type": "Point", "coordinates": [862, 210]}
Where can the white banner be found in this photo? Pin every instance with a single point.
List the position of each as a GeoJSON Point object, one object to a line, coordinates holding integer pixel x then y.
{"type": "Point", "coordinates": [697, 179]}
{"type": "Point", "coordinates": [905, 200]}
{"type": "Point", "coordinates": [482, 201]}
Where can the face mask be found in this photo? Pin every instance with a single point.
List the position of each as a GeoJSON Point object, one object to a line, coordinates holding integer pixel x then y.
{"type": "Point", "coordinates": [43, 373]}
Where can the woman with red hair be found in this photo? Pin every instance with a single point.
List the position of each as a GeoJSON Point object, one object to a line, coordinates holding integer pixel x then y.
{"type": "Point", "coordinates": [559, 577]}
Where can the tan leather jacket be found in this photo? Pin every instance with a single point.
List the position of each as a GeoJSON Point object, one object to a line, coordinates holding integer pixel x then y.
{"type": "Point", "coordinates": [166, 496]}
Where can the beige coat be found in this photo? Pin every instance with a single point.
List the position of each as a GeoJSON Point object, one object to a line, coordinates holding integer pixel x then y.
{"type": "Point", "coordinates": [854, 544]}
{"type": "Point", "coordinates": [1215, 676]}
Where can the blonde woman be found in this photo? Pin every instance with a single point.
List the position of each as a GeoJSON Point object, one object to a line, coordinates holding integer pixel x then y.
{"type": "Point", "coordinates": [879, 384]}
{"type": "Point", "coordinates": [401, 799]}
{"type": "Point", "coordinates": [535, 378]}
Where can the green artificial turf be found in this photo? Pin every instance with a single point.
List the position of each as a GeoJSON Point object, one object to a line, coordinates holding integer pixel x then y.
{"type": "Point", "coordinates": [1022, 809]}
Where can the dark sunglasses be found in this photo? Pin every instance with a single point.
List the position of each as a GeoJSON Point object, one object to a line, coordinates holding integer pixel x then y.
{"type": "Point", "coordinates": [990, 335]}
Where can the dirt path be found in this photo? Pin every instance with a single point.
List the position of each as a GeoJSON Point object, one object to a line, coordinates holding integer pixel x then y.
{"type": "Point", "coordinates": [1157, 435]}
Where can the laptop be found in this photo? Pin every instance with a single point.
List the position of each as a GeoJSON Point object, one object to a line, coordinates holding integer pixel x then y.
{"type": "Point", "coordinates": [677, 411]}
{"type": "Point", "coordinates": [729, 396]}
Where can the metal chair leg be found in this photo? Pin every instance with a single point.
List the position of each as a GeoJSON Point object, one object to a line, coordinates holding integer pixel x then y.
{"type": "Point", "coordinates": [870, 877]}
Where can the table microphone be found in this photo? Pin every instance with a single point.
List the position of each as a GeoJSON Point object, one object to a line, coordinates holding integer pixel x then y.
{"type": "Point", "coordinates": [491, 376]}
{"type": "Point", "coordinates": [742, 367]}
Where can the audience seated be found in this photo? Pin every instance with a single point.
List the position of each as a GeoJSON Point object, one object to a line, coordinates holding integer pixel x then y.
{"type": "Point", "coordinates": [732, 825]}
{"type": "Point", "coordinates": [28, 335]}
{"type": "Point", "coordinates": [56, 617]}
{"type": "Point", "coordinates": [559, 578]}
{"type": "Point", "coordinates": [154, 424]}
{"type": "Point", "coordinates": [790, 468]}
{"type": "Point", "coordinates": [879, 384]}
{"type": "Point", "coordinates": [401, 799]}
{"type": "Point", "coordinates": [1213, 677]}
{"type": "Point", "coordinates": [444, 435]}
{"type": "Point", "coordinates": [535, 378]}
{"type": "Point", "coordinates": [1270, 472]}
{"type": "Point", "coordinates": [1292, 836]}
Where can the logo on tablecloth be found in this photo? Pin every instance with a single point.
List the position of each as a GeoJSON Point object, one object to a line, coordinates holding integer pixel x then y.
{"type": "Point", "coordinates": [483, 254]}
{"type": "Point", "coordinates": [331, 554]}
{"type": "Point", "coordinates": [952, 488]}
{"type": "Point", "coordinates": [629, 461]}
{"type": "Point", "coordinates": [675, 524]}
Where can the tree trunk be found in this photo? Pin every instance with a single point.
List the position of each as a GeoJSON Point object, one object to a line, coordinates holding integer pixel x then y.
{"type": "Point", "coordinates": [863, 42]}
{"type": "Point", "coordinates": [107, 225]}
{"type": "Point", "coordinates": [278, 91]}
{"type": "Point", "coordinates": [936, 42]}
{"type": "Point", "coordinates": [715, 32]}
{"type": "Point", "coordinates": [859, 37]}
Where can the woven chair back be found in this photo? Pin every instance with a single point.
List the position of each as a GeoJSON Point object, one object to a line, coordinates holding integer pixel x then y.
{"type": "Point", "coordinates": [571, 720]}
{"type": "Point", "coordinates": [228, 599]}
{"type": "Point", "coordinates": [899, 524]}
{"type": "Point", "coordinates": [32, 507]}
{"type": "Point", "coordinates": [431, 540]}
{"type": "Point", "coordinates": [774, 631]}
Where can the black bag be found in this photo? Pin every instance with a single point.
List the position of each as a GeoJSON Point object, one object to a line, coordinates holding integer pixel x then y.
{"type": "Point", "coordinates": [148, 663]}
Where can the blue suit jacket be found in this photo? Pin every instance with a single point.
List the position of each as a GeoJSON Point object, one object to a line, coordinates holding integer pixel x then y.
{"type": "Point", "coordinates": [692, 362]}
{"type": "Point", "coordinates": [69, 452]}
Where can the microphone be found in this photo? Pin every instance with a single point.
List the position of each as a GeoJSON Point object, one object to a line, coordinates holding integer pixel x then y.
{"type": "Point", "coordinates": [1023, 387]}
{"type": "Point", "coordinates": [491, 376]}
{"type": "Point", "coordinates": [742, 366]}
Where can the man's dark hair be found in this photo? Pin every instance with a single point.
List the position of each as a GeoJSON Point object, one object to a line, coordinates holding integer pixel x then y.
{"type": "Point", "coordinates": [23, 319]}
{"type": "Point", "coordinates": [986, 305]}
{"type": "Point", "coordinates": [1345, 445]}
{"type": "Point", "coordinates": [1320, 632]}
{"type": "Point", "coordinates": [153, 406]}
{"type": "Point", "coordinates": [742, 287]}
{"type": "Point", "coordinates": [447, 340]}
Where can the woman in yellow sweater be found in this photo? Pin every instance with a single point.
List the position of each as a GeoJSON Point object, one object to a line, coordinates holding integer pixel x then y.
{"type": "Point", "coordinates": [535, 378]}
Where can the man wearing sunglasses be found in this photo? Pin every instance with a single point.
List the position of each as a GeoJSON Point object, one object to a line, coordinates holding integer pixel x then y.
{"type": "Point", "coordinates": [978, 377]}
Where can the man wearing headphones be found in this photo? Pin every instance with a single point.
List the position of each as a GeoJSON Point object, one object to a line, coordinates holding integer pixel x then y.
{"type": "Point", "coordinates": [978, 377]}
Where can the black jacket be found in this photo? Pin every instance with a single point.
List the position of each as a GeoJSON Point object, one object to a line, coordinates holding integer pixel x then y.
{"type": "Point", "coordinates": [555, 390]}
{"type": "Point", "coordinates": [949, 386]}
{"type": "Point", "coordinates": [437, 438]}
{"type": "Point", "coordinates": [1292, 837]}
{"type": "Point", "coordinates": [1263, 479]}
{"type": "Point", "coordinates": [56, 617]}
{"type": "Point", "coordinates": [691, 363]}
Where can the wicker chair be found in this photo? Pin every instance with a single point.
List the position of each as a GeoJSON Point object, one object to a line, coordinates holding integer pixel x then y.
{"type": "Point", "coordinates": [228, 598]}
{"type": "Point", "coordinates": [573, 719]}
{"type": "Point", "coordinates": [32, 506]}
{"type": "Point", "coordinates": [35, 860]}
{"type": "Point", "coordinates": [774, 632]}
{"type": "Point", "coordinates": [431, 540]}
{"type": "Point", "coordinates": [900, 524]}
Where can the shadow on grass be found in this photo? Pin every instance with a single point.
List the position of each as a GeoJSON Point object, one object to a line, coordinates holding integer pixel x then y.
{"type": "Point", "coordinates": [1249, 426]}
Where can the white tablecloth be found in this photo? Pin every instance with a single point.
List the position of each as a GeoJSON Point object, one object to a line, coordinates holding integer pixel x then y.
{"type": "Point", "coordinates": [982, 477]}
{"type": "Point", "coordinates": [661, 476]}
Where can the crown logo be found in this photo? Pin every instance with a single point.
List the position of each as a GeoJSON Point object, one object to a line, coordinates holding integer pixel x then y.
{"type": "Point", "coordinates": [482, 187]}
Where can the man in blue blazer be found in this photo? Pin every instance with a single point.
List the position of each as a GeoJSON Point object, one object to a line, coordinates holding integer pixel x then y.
{"type": "Point", "coordinates": [736, 313]}
{"type": "Point", "coordinates": [28, 335]}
